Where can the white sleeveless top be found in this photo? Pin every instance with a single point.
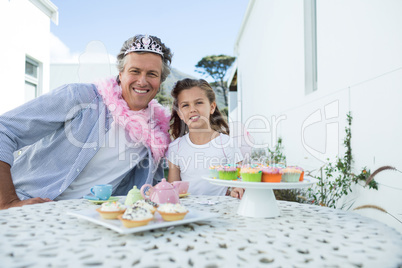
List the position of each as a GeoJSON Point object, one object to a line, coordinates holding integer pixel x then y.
{"type": "Point", "coordinates": [194, 161]}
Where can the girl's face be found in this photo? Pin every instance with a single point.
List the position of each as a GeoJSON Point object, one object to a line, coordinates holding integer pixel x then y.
{"type": "Point", "coordinates": [195, 108]}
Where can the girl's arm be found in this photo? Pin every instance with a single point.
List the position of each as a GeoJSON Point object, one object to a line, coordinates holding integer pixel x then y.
{"type": "Point", "coordinates": [174, 172]}
{"type": "Point", "coordinates": [237, 192]}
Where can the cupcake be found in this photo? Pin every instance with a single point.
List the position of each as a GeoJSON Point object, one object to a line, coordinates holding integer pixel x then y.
{"type": "Point", "coordinates": [271, 174]}
{"type": "Point", "coordinates": [147, 204]}
{"type": "Point", "coordinates": [278, 165]}
{"type": "Point", "coordinates": [213, 172]}
{"type": "Point", "coordinates": [136, 216]}
{"type": "Point", "coordinates": [110, 210]}
{"type": "Point", "coordinates": [302, 172]}
{"type": "Point", "coordinates": [250, 174]}
{"type": "Point", "coordinates": [227, 172]}
{"type": "Point", "coordinates": [291, 174]}
{"type": "Point", "coordinates": [172, 212]}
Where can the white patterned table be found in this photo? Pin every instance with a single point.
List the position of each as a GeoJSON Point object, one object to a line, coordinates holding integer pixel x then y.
{"type": "Point", "coordinates": [44, 235]}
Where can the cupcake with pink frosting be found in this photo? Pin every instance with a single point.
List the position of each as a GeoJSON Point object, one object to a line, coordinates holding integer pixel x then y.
{"type": "Point", "coordinates": [271, 174]}
{"type": "Point", "coordinates": [302, 172]}
{"type": "Point", "coordinates": [291, 174]}
{"type": "Point", "coordinates": [251, 174]}
{"type": "Point", "coordinates": [213, 172]}
{"type": "Point", "coordinates": [228, 172]}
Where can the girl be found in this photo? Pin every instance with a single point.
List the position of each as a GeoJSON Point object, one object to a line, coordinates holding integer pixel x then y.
{"type": "Point", "coordinates": [201, 138]}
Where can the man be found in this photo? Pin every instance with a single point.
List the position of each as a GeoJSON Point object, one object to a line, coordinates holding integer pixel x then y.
{"type": "Point", "coordinates": [62, 143]}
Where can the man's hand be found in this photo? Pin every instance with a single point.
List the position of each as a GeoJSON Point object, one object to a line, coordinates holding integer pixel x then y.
{"type": "Point", "coordinates": [20, 203]}
{"type": "Point", "coordinates": [8, 196]}
{"type": "Point", "coordinates": [237, 193]}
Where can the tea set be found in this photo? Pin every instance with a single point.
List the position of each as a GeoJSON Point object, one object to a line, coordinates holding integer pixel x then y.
{"type": "Point", "coordinates": [163, 192]}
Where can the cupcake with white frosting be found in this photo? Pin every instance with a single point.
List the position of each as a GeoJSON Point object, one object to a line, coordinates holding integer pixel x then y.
{"type": "Point", "coordinates": [172, 212]}
{"type": "Point", "coordinates": [110, 210]}
{"type": "Point", "coordinates": [147, 204]}
{"type": "Point", "coordinates": [136, 216]}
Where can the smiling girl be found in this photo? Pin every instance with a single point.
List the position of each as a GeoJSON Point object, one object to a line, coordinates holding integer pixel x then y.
{"type": "Point", "coordinates": [201, 138]}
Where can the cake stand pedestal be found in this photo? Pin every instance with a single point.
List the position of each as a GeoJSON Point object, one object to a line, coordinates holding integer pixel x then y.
{"type": "Point", "coordinates": [259, 200]}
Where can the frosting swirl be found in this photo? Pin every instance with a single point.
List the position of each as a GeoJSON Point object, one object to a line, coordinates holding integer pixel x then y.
{"type": "Point", "coordinates": [172, 208]}
{"type": "Point", "coordinates": [135, 213]}
{"type": "Point", "coordinates": [112, 206]}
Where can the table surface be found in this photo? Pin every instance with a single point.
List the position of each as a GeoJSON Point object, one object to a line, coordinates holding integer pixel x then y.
{"type": "Point", "coordinates": [44, 235]}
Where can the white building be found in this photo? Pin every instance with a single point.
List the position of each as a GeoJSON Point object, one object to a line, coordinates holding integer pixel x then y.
{"type": "Point", "coordinates": [303, 65]}
{"type": "Point", "coordinates": [24, 50]}
{"type": "Point", "coordinates": [89, 66]}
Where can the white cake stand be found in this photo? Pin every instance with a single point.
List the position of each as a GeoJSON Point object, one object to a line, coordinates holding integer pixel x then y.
{"type": "Point", "coordinates": [259, 200]}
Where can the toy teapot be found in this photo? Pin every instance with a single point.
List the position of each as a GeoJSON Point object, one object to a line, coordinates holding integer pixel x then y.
{"type": "Point", "coordinates": [133, 196]}
{"type": "Point", "coordinates": [161, 193]}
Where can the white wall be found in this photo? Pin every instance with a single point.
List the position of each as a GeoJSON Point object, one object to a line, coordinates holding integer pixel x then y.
{"type": "Point", "coordinates": [359, 69]}
{"type": "Point", "coordinates": [25, 31]}
{"type": "Point", "coordinates": [66, 73]}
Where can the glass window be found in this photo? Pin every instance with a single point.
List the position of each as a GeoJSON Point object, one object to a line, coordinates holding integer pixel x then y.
{"type": "Point", "coordinates": [310, 45]}
{"type": "Point", "coordinates": [32, 81]}
{"type": "Point", "coordinates": [31, 68]}
{"type": "Point", "coordinates": [30, 91]}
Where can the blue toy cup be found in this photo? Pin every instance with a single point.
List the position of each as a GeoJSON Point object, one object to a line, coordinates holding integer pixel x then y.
{"type": "Point", "coordinates": [102, 191]}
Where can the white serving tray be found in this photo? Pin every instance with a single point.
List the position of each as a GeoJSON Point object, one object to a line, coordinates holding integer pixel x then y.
{"type": "Point", "coordinates": [116, 225]}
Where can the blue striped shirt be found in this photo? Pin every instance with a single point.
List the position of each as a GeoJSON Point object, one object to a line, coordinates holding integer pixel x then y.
{"type": "Point", "coordinates": [56, 135]}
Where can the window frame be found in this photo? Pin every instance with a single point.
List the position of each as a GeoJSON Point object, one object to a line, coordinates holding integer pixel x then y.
{"type": "Point", "coordinates": [310, 46]}
{"type": "Point", "coordinates": [32, 80]}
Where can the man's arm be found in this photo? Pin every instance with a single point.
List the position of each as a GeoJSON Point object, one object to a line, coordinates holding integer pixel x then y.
{"type": "Point", "coordinates": [29, 123]}
{"type": "Point", "coordinates": [8, 196]}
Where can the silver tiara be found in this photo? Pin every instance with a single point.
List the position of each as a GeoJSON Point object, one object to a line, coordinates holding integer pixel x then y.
{"type": "Point", "coordinates": [145, 43]}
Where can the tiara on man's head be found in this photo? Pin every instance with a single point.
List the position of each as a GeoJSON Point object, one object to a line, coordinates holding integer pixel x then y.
{"type": "Point", "coordinates": [145, 43]}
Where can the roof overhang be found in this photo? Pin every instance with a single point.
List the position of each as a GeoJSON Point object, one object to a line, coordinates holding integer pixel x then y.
{"type": "Point", "coordinates": [47, 7]}
{"type": "Point", "coordinates": [243, 25]}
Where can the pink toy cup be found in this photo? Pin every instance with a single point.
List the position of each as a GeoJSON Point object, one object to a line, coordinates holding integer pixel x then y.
{"type": "Point", "coordinates": [181, 186]}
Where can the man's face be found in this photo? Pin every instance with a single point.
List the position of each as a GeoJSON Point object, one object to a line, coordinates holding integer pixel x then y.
{"type": "Point", "coordinates": [140, 79]}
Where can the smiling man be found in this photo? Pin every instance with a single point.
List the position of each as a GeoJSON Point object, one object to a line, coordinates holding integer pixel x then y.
{"type": "Point", "coordinates": [62, 143]}
{"type": "Point", "coordinates": [140, 79]}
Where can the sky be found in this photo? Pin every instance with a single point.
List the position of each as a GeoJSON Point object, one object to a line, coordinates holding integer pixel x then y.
{"type": "Point", "coordinates": [191, 28]}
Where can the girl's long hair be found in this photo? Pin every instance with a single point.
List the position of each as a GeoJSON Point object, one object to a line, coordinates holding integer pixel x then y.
{"type": "Point", "coordinates": [177, 127]}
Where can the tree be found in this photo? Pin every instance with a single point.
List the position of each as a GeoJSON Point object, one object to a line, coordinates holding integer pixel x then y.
{"type": "Point", "coordinates": [216, 66]}
{"type": "Point", "coordinates": [163, 98]}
